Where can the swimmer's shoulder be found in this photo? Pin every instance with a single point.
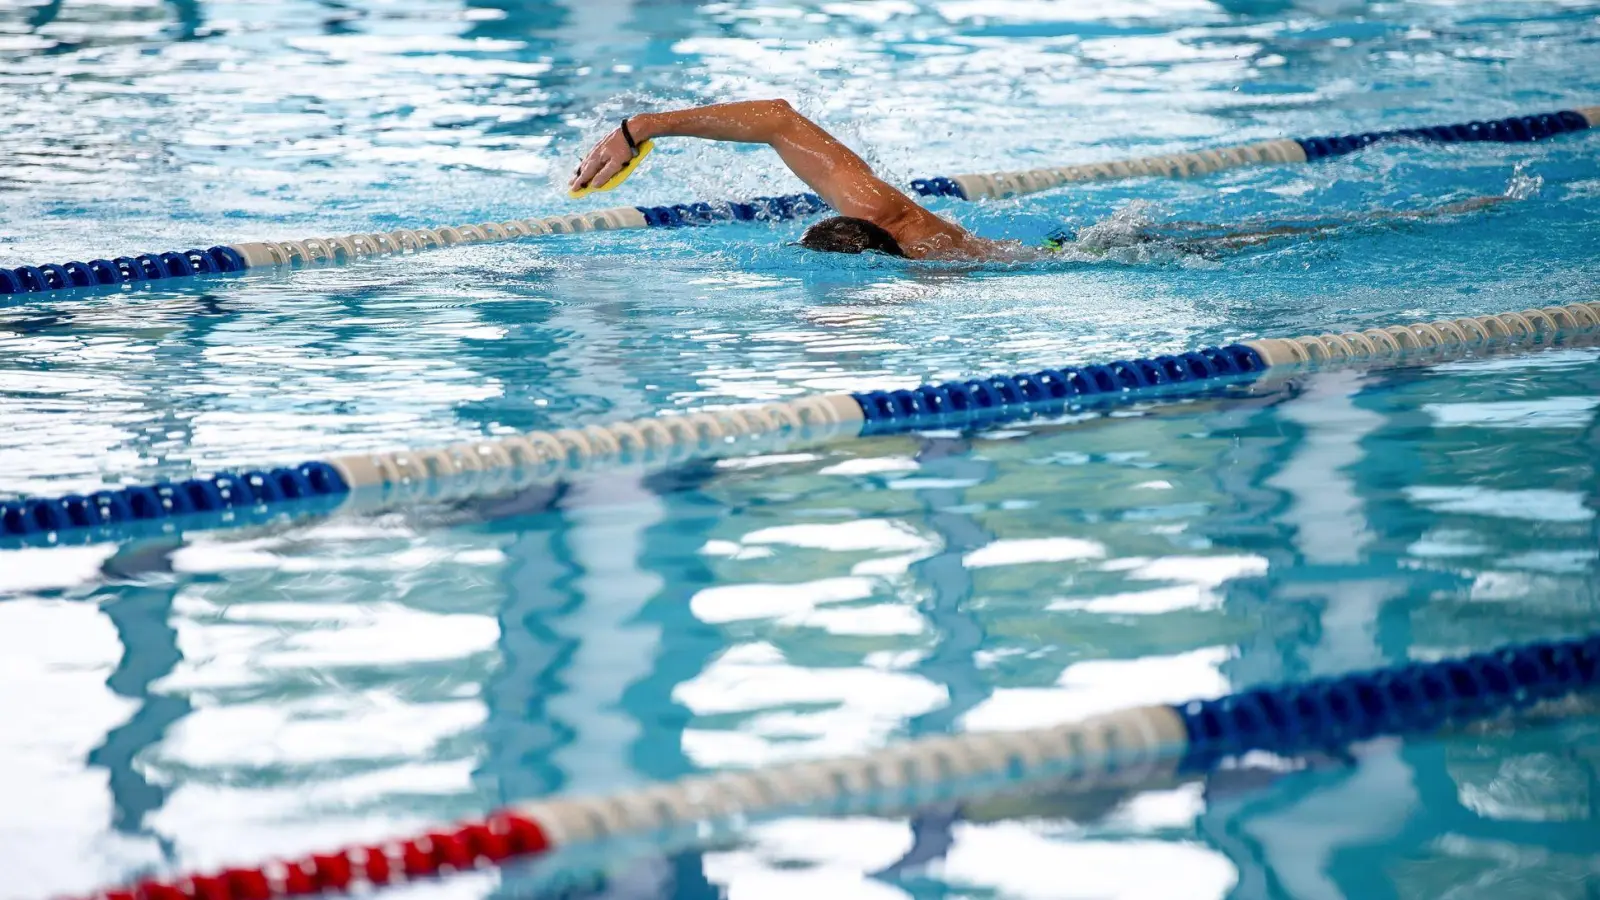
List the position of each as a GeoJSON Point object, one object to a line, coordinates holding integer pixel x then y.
{"type": "Point", "coordinates": [983, 250]}
{"type": "Point", "coordinates": [924, 235]}
{"type": "Point", "coordinates": [956, 243]}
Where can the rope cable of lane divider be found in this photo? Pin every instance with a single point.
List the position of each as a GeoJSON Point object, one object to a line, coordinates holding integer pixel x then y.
{"type": "Point", "coordinates": [485, 468]}
{"type": "Point", "coordinates": [294, 254]}
{"type": "Point", "coordinates": [1514, 129]}
{"type": "Point", "coordinates": [341, 249]}
{"type": "Point", "coordinates": [1423, 338]}
{"type": "Point", "coordinates": [401, 477]}
{"type": "Point", "coordinates": [346, 248]}
{"type": "Point", "coordinates": [1125, 748]}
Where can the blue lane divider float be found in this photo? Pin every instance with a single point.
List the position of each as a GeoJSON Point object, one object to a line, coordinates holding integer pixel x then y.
{"type": "Point", "coordinates": [346, 248]}
{"type": "Point", "coordinates": [1329, 713]}
{"type": "Point", "coordinates": [504, 464]}
{"type": "Point", "coordinates": [244, 495]}
{"type": "Point", "coordinates": [122, 270]}
{"type": "Point", "coordinates": [1512, 129]}
{"type": "Point", "coordinates": [1001, 398]}
{"type": "Point", "coordinates": [758, 209]}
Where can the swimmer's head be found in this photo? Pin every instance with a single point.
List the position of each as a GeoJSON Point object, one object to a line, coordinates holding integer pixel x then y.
{"type": "Point", "coordinates": [843, 234]}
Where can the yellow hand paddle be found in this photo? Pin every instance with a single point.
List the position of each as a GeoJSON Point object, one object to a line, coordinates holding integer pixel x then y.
{"type": "Point", "coordinates": [622, 174]}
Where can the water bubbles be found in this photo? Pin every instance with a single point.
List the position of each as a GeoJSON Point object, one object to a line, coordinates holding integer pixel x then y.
{"type": "Point", "coordinates": [1125, 227]}
{"type": "Point", "coordinates": [1523, 184]}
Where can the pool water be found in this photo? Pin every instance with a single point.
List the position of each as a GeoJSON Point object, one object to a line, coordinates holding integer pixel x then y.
{"type": "Point", "coordinates": [225, 696]}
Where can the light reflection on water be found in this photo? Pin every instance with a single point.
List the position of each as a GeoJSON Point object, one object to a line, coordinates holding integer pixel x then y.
{"type": "Point", "coordinates": [226, 696]}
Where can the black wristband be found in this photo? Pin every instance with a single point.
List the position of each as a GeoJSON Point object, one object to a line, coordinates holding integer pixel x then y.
{"type": "Point", "coordinates": [628, 136]}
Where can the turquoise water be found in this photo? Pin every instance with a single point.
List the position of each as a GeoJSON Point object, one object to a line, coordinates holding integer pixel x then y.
{"type": "Point", "coordinates": [230, 695]}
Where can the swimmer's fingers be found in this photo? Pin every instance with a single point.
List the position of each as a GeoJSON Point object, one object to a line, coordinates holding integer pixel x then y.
{"type": "Point", "coordinates": [611, 153]}
{"type": "Point", "coordinates": [612, 166]}
{"type": "Point", "coordinates": [590, 165]}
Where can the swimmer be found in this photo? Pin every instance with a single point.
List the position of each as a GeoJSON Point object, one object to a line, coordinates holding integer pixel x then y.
{"type": "Point", "coordinates": [873, 215]}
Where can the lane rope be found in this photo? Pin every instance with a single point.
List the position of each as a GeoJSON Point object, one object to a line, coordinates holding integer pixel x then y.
{"type": "Point", "coordinates": [1125, 748]}
{"type": "Point", "coordinates": [371, 481]}
{"type": "Point", "coordinates": [1514, 129]}
{"type": "Point", "coordinates": [342, 249]}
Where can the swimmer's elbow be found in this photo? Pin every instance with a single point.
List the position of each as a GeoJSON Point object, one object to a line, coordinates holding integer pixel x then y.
{"type": "Point", "coordinates": [777, 116]}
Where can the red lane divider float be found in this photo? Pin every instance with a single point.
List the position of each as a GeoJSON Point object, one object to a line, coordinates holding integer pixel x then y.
{"type": "Point", "coordinates": [499, 838]}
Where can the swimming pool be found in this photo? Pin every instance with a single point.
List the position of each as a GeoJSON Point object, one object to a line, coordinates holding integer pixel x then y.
{"type": "Point", "coordinates": [231, 695]}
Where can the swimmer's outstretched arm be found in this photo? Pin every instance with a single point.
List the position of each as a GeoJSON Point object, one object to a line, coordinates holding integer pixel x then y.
{"type": "Point", "coordinates": [833, 170]}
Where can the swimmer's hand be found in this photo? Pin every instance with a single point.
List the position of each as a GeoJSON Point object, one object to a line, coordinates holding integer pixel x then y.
{"type": "Point", "coordinates": [604, 161]}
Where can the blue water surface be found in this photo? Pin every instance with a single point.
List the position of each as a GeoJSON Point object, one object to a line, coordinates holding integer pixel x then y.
{"type": "Point", "coordinates": [220, 697]}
